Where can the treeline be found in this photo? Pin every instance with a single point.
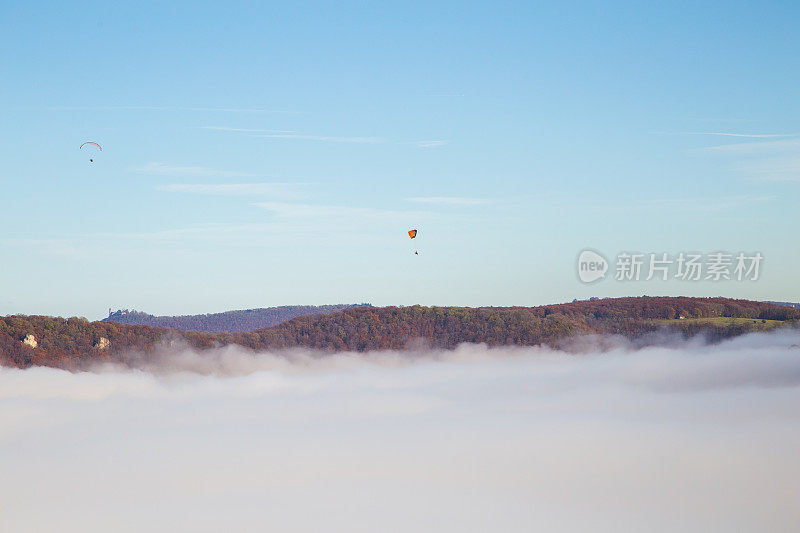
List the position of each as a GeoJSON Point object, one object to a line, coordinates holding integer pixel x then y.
{"type": "Point", "coordinates": [69, 342]}
{"type": "Point", "coordinates": [375, 328]}
{"type": "Point", "coordinates": [74, 343]}
{"type": "Point", "coordinates": [227, 322]}
{"type": "Point", "coordinates": [787, 304]}
{"type": "Point", "coordinates": [661, 307]}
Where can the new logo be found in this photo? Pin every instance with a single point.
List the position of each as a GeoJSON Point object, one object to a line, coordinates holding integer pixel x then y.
{"type": "Point", "coordinates": [591, 266]}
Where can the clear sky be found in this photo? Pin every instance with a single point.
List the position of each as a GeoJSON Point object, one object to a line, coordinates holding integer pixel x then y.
{"type": "Point", "coordinates": [259, 154]}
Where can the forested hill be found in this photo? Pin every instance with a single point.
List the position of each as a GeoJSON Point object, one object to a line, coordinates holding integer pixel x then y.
{"type": "Point", "coordinates": [227, 322]}
{"type": "Point", "coordinates": [787, 304]}
{"type": "Point", "coordinates": [76, 343]}
{"type": "Point", "coordinates": [377, 328]}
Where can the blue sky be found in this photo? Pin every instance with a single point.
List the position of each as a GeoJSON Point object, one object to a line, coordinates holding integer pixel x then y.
{"type": "Point", "coordinates": [259, 154]}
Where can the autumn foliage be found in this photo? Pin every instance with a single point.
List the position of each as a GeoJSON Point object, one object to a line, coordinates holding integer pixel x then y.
{"type": "Point", "coordinates": [75, 343]}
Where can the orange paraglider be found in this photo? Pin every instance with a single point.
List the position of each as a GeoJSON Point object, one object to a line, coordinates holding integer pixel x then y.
{"type": "Point", "coordinates": [412, 233]}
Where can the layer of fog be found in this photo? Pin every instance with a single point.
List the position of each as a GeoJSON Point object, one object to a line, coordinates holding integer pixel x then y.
{"type": "Point", "coordinates": [599, 436]}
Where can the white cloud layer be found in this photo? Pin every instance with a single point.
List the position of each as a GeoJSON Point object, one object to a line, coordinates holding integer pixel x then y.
{"type": "Point", "coordinates": [234, 189]}
{"type": "Point", "coordinates": [243, 130]}
{"type": "Point", "coordinates": [720, 203]}
{"type": "Point", "coordinates": [430, 144]}
{"type": "Point", "coordinates": [683, 437]}
{"type": "Point", "coordinates": [293, 135]}
{"type": "Point", "coordinates": [449, 200]}
{"type": "Point", "coordinates": [745, 135]}
{"type": "Point", "coordinates": [323, 138]}
{"type": "Point", "coordinates": [171, 108]}
{"type": "Point", "coordinates": [311, 211]}
{"type": "Point", "coordinates": [175, 170]}
{"type": "Point", "coordinates": [764, 160]}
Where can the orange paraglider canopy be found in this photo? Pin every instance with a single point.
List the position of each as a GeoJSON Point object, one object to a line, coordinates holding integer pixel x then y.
{"type": "Point", "coordinates": [412, 233]}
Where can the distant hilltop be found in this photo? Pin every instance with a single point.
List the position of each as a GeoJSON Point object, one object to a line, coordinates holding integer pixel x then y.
{"type": "Point", "coordinates": [240, 321]}
{"type": "Point", "coordinates": [786, 304]}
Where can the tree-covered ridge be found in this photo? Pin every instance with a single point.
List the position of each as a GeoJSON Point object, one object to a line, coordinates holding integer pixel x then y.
{"type": "Point", "coordinates": [788, 304]}
{"type": "Point", "coordinates": [74, 343]}
{"type": "Point", "coordinates": [69, 342]}
{"type": "Point", "coordinates": [227, 322]}
{"type": "Point", "coordinates": [393, 327]}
